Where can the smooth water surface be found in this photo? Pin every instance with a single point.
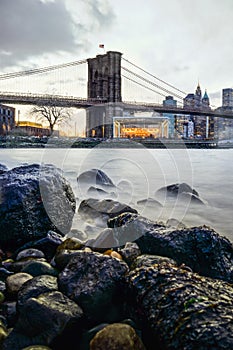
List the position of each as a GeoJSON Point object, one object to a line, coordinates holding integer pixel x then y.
{"type": "Point", "coordinates": [139, 173]}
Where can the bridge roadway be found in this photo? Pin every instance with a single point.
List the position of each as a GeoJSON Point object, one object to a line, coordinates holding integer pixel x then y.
{"type": "Point", "coordinates": [84, 103]}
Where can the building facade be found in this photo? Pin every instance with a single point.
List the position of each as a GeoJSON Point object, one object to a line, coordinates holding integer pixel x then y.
{"type": "Point", "coordinates": [227, 98]}
{"type": "Point", "coordinates": [7, 119]}
{"type": "Point", "coordinates": [170, 102]}
{"type": "Point", "coordinates": [203, 127]}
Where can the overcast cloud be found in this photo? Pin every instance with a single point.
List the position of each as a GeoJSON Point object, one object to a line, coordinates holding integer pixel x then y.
{"type": "Point", "coordinates": [180, 41]}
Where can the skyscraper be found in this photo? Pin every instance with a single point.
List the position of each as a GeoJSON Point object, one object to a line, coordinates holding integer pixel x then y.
{"type": "Point", "coordinates": [227, 97]}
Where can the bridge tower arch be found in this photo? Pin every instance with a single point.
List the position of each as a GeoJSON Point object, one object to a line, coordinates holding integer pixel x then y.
{"type": "Point", "coordinates": [104, 83]}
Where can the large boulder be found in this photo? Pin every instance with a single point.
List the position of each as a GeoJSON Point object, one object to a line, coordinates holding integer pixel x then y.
{"type": "Point", "coordinates": [42, 319]}
{"type": "Point", "coordinates": [94, 209]}
{"type": "Point", "coordinates": [180, 309]}
{"type": "Point", "coordinates": [95, 282]}
{"type": "Point", "coordinates": [201, 248]}
{"type": "Point", "coordinates": [117, 336]}
{"type": "Point", "coordinates": [95, 177]}
{"type": "Point", "coordinates": [34, 200]}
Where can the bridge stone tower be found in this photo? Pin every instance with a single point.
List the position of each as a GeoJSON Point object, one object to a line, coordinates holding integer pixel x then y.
{"type": "Point", "coordinates": [104, 84]}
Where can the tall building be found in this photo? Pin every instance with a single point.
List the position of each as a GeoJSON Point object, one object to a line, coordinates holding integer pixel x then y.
{"type": "Point", "coordinates": [170, 102]}
{"type": "Point", "coordinates": [203, 126]}
{"type": "Point", "coordinates": [7, 119]}
{"type": "Point", "coordinates": [227, 97]}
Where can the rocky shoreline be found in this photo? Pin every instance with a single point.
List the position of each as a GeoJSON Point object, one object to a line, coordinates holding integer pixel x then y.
{"type": "Point", "coordinates": [139, 284]}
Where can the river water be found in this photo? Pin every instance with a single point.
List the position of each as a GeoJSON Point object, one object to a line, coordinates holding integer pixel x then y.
{"type": "Point", "coordinates": [138, 173]}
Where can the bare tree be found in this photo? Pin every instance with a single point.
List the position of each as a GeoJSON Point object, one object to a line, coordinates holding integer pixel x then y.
{"type": "Point", "coordinates": [52, 114]}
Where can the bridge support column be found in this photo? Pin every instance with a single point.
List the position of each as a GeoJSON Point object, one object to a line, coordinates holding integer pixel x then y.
{"type": "Point", "coordinates": [104, 84]}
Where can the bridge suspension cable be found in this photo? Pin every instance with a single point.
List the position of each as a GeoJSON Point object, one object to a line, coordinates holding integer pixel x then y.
{"type": "Point", "coordinates": [162, 81]}
{"type": "Point", "coordinates": [144, 86]}
{"type": "Point", "coordinates": [40, 70]}
{"type": "Point", "coordinates": [152, 83]}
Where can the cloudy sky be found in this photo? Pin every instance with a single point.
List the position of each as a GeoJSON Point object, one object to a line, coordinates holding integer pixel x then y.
{"type": "Point", "coordinates": [179, 41]}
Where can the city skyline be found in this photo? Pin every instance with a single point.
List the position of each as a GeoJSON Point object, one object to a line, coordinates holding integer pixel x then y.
{"type": "Point", "coordinates": [179, 41]}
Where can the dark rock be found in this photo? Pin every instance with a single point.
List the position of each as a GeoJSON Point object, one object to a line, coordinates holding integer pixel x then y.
{"type": "Point", "coordinates": [34, 287]}
{"type": "Point", "coordinates": [9, 311]}
{"type": "Point", "coordinates": [96, 177]}
{"type": "Point", "coordinates": [48, 245]}
{"type": "Point", "coordinates": [15, 282]}
{"type": "Point", "coordinates": [3, 168]}
{"type": "Point", "coordinates": [94, 281]}
{"type": "Point", "coordinates": [2, 289]}
{"type": "Point", "coordinates": [88, 335]}
{"type": "Point", "coordinates": [147, 260]}
{"type": "Point", "coordinates": [77, 234]}
{"type": "Point", "coordinates": [117, 336]}
{"type": "Point", "coordinates": [36, 347]}
{"type": "Point", "coordinates": [97, 192]}
{"type": "Point", "coordinates": [174, 223]}
{"type": "Point", "coordinates": [34, 200]}
{"type": "Point", "coordinates": [176, 189]}
{"type": "Point", "coordinates": [18, 266]}
{"type": "Point", "coordinates": [42, 319]}
{"type": "Point", "coordinates": [29, 253]}
{"type": "Point", "coordinates": [63, 257]}
{"type": "Point", "coordinates": [4, 273]}
{"type": "Point", "coordinates": [37, 268]}
{"type": "Point", "coordinates": [104, 240]}
{"type": "Point", "coordinates": [201, 248]}
{"type": "Point", "coordinates": [91, 209]}
{"type": "Point", "coordinates": [150, 202]}
{"type": "Point", "coordinates": [130, 252]}
{"type": "Point", "coordinates": [180, 309]}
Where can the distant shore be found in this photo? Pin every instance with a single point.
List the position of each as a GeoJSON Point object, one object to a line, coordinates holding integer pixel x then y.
{"type": "Point", "coordinates": [65, 142]}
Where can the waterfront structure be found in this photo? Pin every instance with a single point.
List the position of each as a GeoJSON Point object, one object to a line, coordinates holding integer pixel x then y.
{"type": "Point", "coordinates": [142, 127]}
{"type": "Point", "coordinates": [169, 101]}
{"type": "Point", "coordinates": [7, 119]}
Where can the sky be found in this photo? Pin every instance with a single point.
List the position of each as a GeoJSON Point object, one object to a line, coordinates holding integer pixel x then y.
{"type": "Point", "coordinates": [180, 41]}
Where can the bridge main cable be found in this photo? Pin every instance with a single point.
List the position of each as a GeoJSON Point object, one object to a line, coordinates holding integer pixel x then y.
{"type": "Point", "coordinates": [152, 83]}
{"type": "Point", "coordinates": [162, 81]}
{"type": "Point", "coordinates": [40, 70]}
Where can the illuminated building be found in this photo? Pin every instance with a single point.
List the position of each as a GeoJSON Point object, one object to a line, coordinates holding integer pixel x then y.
{"type": "Point", "coordinates": [31, 129]}
{"type": "Point", "coordinates": [140, 127]}
{"type": "Point", "coordinates": [169, 101]}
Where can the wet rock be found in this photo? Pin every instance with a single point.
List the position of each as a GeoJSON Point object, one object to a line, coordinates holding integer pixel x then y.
{"type": "Point", "coordinates": [147, 260]}
{"type": "Point", "coordinates": [3, 333]}
{"type": "Point", "coordinates": [94, 281]}
{"type": "Point", "coordinates": [3, 168]}
{"type": "Point", "coordinates": [4, 273]}
{"type": "Point", "coordinates": [34, 287]}
{"type": "Point", "coordinates": [15, 282]}
{"type": "Point", "coordinates": [99, 192]}
{"type": "Point", "coordinates": [180, 309]}
{"type": "Point", "coordinates": [75, 233]}
{"type": "Point", "coordinates": [174, 223]}
{"type": "Point", "coordinates": [117, 336]}
{"type": "Point", "coordinates": [42, 319]}
{"type": "Point", "coordinates": [106, 239]}
{"type": "Point", "coordinates": [201, 248]}
{"type": "Point", "coordinates": [176, 189]}
{"type": "Point", "coordinates": [34, 200]}
{"type": "Point", "coordinates": [48, 245]}
{"type": "Point", "coordinates": [130, 252]}
{"type": "Point", "coordinates": [150, 202]}
{"type": "Point", "coordinates": [9, 312]}
{"type": "Point", "coordinates": [71, 243]}
{"type": "Point", "coordinates": [37, 268]}
{"type": "Point", "coordinates": [29, 253]}
{"type": "Point", "coordinates": [96, 177]}
{"type": "Point", "coordinates": [37, 347]}
{"type": "Point", "coordinates": [91, 209]}
{"type": "Point", "coordinates": [63, 257]}
{"type": "Point", "coordinates": [89, 334]}
{"type": "Point", "coordinates": [18, 266]}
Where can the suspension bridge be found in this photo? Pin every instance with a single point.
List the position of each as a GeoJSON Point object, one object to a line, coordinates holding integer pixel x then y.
{"type": "Point", "coordinates": [108, 82]}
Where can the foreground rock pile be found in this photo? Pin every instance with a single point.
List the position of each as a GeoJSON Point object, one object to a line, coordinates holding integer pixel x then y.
{"type": "Point", "coordinates": [139, 285]}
